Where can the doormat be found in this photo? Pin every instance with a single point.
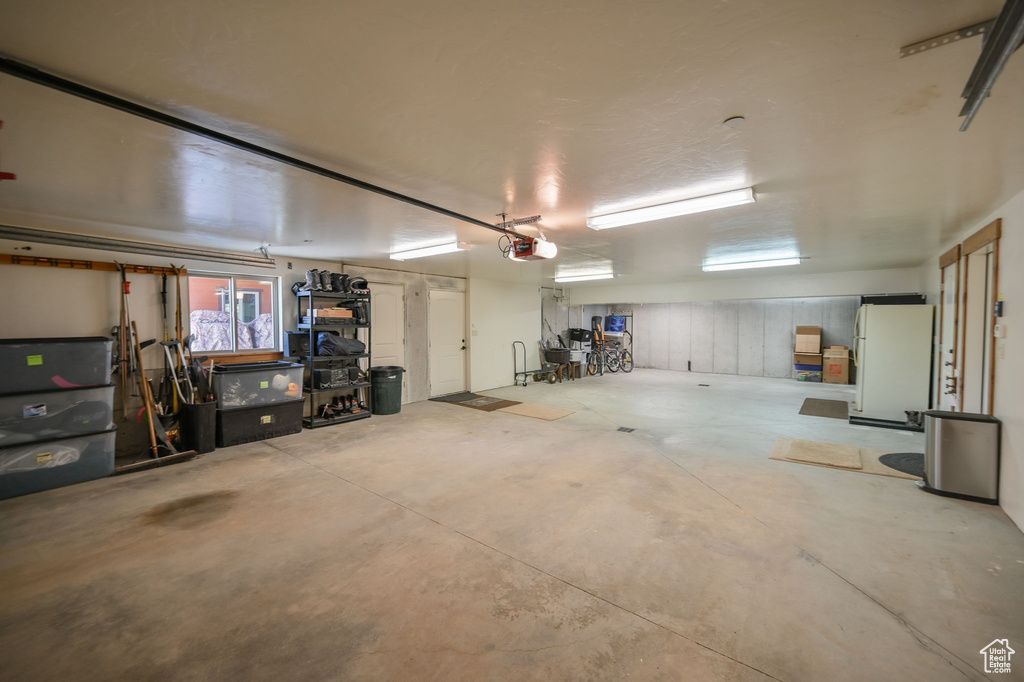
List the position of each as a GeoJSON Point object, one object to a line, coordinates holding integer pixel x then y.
{"type": "Point", "coordinates": [537, 411]}
{"type": "Point", "coordinates": [908, 462]}
{"type": "Point", "coordinates": [459, 397]}
{"type": "Point", "coordinates": [834, 409]}
{"type": "Point", "coordinates": [487, 404]}
{"type": "Point", "coordinates": [834, 456]}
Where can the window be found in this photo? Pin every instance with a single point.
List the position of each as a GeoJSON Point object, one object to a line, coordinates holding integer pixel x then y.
{"type": "Point", "coordinates": [233, 312]}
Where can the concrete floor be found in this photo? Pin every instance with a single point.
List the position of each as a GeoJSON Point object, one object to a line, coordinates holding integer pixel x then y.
{"type": "Point", "coordinates": [446, 543]}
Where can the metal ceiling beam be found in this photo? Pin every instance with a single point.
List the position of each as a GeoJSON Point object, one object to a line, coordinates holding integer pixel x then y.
{"type": "Point", "coordinates": [1003, 40]}
{"type": "Point", "coordinates": [27, 234]}
{"type": "Point", "coordinates": [947, 38]}
{"type": "Point", "coordinates": [34, 75]}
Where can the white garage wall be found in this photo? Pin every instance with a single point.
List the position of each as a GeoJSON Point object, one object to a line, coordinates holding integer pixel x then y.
{"type": "Point", "coordinates": [749, 337]}
{"type": "Point", "coordinates": [500, 313]}
{"type": "Point", "coordinates": [1009, 399]}
{"type": "Point", "coordinates": [729, 287]}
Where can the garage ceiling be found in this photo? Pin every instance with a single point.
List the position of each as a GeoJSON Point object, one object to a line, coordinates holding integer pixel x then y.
{"type": "Point", "coordinates": [564, 109]}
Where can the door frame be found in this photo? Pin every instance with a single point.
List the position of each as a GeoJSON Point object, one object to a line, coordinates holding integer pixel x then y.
{"type": "Point", "coordinates": [951, 257]}
{"type": "Point", "coordinates": [990, 234]}
{"type": "Point", "coordinates": [465, 329]}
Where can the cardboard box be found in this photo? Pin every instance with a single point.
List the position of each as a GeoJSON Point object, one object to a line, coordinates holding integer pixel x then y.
{"type": "Point", "coordinates": [808, 340]}
{"type": "Point", "coordinates": [836, 369]}
{"type": "Point", "coordinates": [807, 358]}
{"type": "Point", "coordinates": [331, 312]}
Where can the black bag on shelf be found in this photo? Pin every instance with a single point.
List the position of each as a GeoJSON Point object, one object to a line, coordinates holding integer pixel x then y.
{"type": "Point", "coordinates": [333, 343]}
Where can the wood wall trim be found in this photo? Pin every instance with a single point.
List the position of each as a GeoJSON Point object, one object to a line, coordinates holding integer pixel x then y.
{"type": "Point", "coordinates": [235, 358]}
{"type": "Point", "coordinates": [995, 321]}
{"type": "Point", "coordinates": [950, 257]}
{"type": "Point", "coordinates": [74, 264]}
{"type": "Point", "coordinates": [983, 237]}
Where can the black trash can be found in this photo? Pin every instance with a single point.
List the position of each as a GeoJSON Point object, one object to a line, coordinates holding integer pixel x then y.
{"type": "Point", "coordinates": [199, 427]}
{"type": "Point", "coordinates": [386, 389]}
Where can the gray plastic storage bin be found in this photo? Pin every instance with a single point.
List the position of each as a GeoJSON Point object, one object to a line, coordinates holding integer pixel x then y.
{"type": "Point", "coordinates": [256, 383]}
{"type": "Point", "coordinates": [46, 364]}
{"type": "Point", "coordinates": [31, 417]}
{"type": "Point", "coordinates": [32, 467]}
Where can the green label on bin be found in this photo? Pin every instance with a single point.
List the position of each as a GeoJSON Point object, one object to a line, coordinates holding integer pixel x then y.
{"type": "Point", "coordinates": [34, 360]}
{"type": "Point", "coordinates": [264, 384]}
{"type": "Point", "coordinates": [267, 419]}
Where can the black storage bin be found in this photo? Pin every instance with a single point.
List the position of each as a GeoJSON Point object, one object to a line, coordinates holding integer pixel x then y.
{"type": "Point", "coordinates": [260, 422]}
{"type": "Point", "coordinates": [256, 383]}
{"type": "Point", "coordinates": [47, 364]}
{"type": "Point", "coordinates": [48, 415]}
{"type": "Point", "coordinates": [581, 335]}
{"type": "Point", "coordinates": [199, 427]}
{"type": "Point", "coordinates": [33, 467]}
{"type": "Point", "coordinates": [557, 355]}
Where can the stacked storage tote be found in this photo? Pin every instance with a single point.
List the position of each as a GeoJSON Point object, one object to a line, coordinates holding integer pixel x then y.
{"type": "Point", "coordinates": [56, 413]}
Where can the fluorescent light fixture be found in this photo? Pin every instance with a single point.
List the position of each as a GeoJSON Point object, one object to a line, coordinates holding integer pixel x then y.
{"type": "Point", "coordinates": [752, 264]}
{"type": "Point", "coordinates": [583, 278]}
{"type": "Point", "coordinates": [431, 251]}
{"type": "Point", "coordinates": [673, 209]}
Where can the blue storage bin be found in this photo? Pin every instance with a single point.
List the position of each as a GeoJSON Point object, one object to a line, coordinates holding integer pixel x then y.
{"type": "Point", "coordinates": [46, 415]}
{"type": "Point", "coordinates": [33, 467]}
{"type": "Point", "coordinates": [47, 364]}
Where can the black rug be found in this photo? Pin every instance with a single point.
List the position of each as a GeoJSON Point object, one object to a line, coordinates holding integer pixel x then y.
{"type": "Point", "coordinates": [835, 409]}
{"type": "Point", "coordinates": [908, 462]}
{"type": "Point", "coordinates": [456, 397]}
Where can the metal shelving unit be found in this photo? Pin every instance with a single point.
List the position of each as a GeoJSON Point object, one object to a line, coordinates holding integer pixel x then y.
{"type": "Point", "coordinates": [307, 301]}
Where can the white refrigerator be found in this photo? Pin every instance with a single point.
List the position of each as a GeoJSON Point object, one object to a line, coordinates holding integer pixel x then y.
{"type": "Point", "coordinates": [892, 349]}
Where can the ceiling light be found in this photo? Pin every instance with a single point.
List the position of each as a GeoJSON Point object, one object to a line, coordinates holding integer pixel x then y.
{"type": "Point", "coordinates": [431, 251]}
{"type": "Point", "coordinates": [671, 210]}
{"type": "Point", "coordinates": [752, 264]}
{"type": "Point", "coordinates": [583, 278]}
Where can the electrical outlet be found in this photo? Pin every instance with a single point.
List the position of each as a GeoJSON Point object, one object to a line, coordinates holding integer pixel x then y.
{"type": "Point", "coordinates": [1000, 351]}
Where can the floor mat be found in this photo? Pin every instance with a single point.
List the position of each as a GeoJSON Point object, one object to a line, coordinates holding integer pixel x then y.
{"type": "Point", "coordinates": [537, 411]}
{"type": "Point", "coordinates": [487, 404]}
{"type": "Point", "coordinates": [786, 448]}
{"type": "Point", "coordinates": [908, 462]}
{"type": "Point", "coordinates": [456, 397]}
{"type": "Point", "coordinates": [834, 409]}
{"type": "Point", "coordinates": [825, 454]}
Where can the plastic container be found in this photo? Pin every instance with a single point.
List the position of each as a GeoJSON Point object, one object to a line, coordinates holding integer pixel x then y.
{"type": "Point", "coordinates": [32, 467]}
{"type": "Point", "coordinates": [257, 383]}
{"type": "Point", "coordinates": [580, 335]}
{"type": "Point", "coordinates": [386, 389]}
{"type": "Point", "coordinates": [577, 356]}
{"type": "Point", "coordinates": [260, 422]}
{"type": "Point", "coordinates": [46, 415]}
{"type": "Point", "coordinates": [199, 427]}
{"type": "Point", "coordinates": [28, 365]}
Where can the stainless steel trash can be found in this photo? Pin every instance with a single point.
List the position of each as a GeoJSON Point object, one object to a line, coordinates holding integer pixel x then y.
{"type": "Point", "coordinates": [961, 456]}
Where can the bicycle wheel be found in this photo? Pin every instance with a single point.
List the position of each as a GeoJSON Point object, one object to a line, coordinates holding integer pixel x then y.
{"type": "Point", "coordinates": [626, 362]}
{"type": "Point", "coordinates": [591, 364]}
{"type": "Point", "coordinates": [611, 360]}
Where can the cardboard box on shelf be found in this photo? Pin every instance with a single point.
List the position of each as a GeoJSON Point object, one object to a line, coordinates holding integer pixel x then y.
{"type": "Point", "coordinates": [808, 340]}
{"type": "Point", "coordinates": [807, 358]}
{"type": "Point", "coordinates": [331, 312]}
{"type": "Point", "coordinates": [836, 369]}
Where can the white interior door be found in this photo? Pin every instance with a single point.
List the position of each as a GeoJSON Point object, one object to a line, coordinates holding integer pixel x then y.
{"type": "Point", "coordinates": [447, 338]}
{"type": "Point", "coordinates": [948, 375]}
{"type": "Point", "coordinates": [387, 306]}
